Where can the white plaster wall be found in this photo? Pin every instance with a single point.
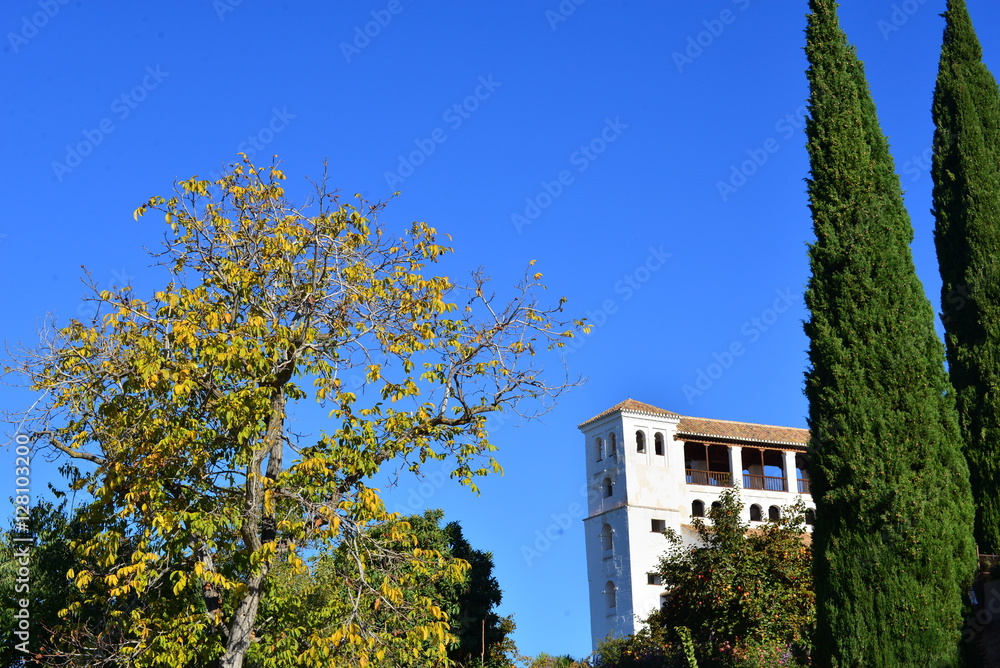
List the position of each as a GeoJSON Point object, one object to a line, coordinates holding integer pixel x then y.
{"type": "Point", "coordinates": [655, 488]}
{"type": "Point", "coordinates": [604, 565]}
{"type": "Point", "coordinates": [608, 565]}
{"type": "Point", "coordinates": [646, 548]}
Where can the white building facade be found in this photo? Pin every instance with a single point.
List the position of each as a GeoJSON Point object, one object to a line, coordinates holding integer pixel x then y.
{"type": "Point", "coordinates": [649, 469]}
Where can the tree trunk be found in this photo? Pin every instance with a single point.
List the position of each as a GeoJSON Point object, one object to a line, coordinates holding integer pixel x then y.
{"type": "Point", "coordinates": [241, 626]}
{"type": "Point", "coordinates": [258, 530]}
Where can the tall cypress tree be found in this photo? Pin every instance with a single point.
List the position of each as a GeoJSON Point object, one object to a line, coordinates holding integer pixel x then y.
{"type": "Point", "coordinates": [893, 535]}
{"type": "Point", "coordinates": [967, 212]}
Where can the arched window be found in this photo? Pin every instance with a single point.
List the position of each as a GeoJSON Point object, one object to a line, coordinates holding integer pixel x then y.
{"type": "Point", "coordinates": [608, 488]}
{"type": "Point", "coordinates": [755, 513]}
{"type": "Point", "coordinates": [609, 594]}
{"type": "Point", "coordinates": [810, 516]}
{"type": "Point", "coordinates": [599, 446]}
{"type": "Point", "coordinates": [640, 442]}
{"type": "Point", "coordinates": [715, 505]}
{"type": "Point", "coordinates": [606, 540]}
{"type": "Point", "coordinates": [612, 445]}
{"type": "Point", "coordinates": [658, 443]}
{"type": "Point", "coordinates": [774, 513]}
{"type": "Point", "coordinates": [697, 508]}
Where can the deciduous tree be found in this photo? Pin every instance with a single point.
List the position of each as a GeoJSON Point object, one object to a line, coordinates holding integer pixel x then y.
{"type": "Point", "coordinates": [180, 403]}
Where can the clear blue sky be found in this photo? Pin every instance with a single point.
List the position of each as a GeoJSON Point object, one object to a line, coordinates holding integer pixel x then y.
{"type": "Point", "coordinates": [633, 112]}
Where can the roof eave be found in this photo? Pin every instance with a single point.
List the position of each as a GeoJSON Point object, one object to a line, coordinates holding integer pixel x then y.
{"type": "Point", "coordinates": [739, 438]}
{"type": "Point", "coordinates": [630, 411]}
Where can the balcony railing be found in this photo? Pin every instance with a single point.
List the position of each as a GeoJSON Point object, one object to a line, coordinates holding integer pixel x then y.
{"type": "Point", "coordinates": [770, 483]}
{"type": "Point", "coordinates": [804, 486]}
{"type": "Point", "coordinates": [713, 478]}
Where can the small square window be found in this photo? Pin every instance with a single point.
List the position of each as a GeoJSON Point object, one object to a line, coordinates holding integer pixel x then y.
{"type": "Point", "coordinates": [659, 526]}
{"type": "Point", "coordinates": [654, 579]}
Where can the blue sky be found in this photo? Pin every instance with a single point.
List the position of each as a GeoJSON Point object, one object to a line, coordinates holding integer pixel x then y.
{"type": "Point", "coordinates": [648, 154]}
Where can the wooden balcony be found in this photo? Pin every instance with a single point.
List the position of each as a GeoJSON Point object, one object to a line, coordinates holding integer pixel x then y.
{"type": "Point", "coordinates": [770, 483]}
{"type": "Point", "coordinates": [804, 486]}
{"type": "Point", "coordinates": [711, 478]}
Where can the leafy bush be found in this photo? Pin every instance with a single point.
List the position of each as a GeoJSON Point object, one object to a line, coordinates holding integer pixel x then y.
{"type": "Point", "coordinates": [642, 650]}
{"type": "Point", "coordinates": [745, 594]}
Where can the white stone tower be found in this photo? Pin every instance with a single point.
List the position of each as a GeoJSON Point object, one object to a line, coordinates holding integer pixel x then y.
{"type": "Point", "coordinates": [649, 469]}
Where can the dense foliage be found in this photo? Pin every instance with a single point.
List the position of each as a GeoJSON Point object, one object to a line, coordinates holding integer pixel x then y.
{"type": "Point", "coordinates": [745, 593]}
{"type": "Point", "coordinates": [644, 649]}
{"type": "Point", "coordinates": [294, 602]}
{"type": "Point", "coordinates": [44, 585]}
{"type": "Point", "coordinates": [178, 408]}
{"type": "Point", "coordinates": [893, 537]}
{"type": "Point", "coordinates": [967, 213]}
{"type": "Point", "coordinates": [299, 600]}
{"type": "Point", "coordinates": [544, 660]}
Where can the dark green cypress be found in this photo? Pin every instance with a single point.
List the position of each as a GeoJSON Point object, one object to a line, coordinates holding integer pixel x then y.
{"type": "Point", "coordinates": [893, 536]}
{"type": "Point", "coordinates": [967, 212]}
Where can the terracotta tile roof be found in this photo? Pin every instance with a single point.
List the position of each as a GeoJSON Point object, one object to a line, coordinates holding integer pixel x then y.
{"type": "Point", "coordinates": [715, 429]}
{"type": "Point", "coordinates": [742, 431]}
{"type": "Point", "coordinates": [633, 406]}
